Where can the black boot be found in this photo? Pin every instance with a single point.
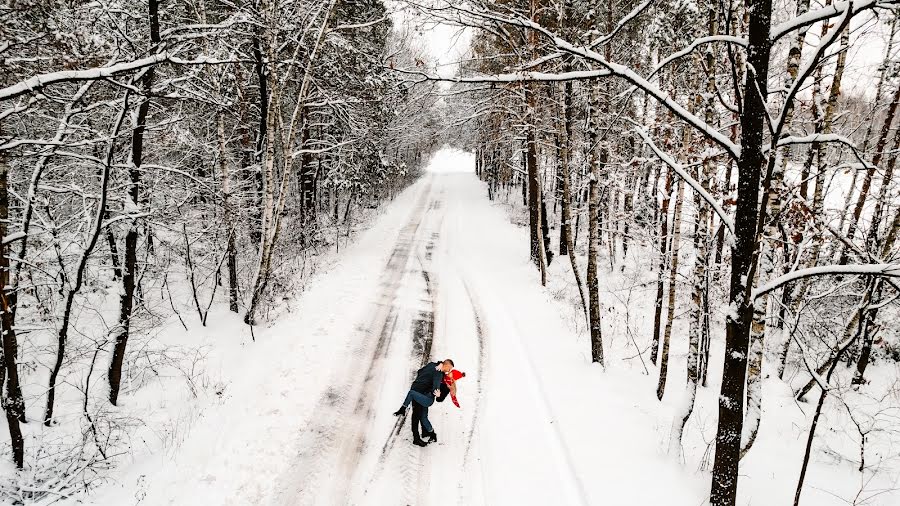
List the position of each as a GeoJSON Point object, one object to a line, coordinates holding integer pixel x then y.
{"type": "Point", "coordinates": [430, 435]}
{"type": "Point", "coordinates": [416, 420]}
{"type": "Point", "coordinates": [401, 411]}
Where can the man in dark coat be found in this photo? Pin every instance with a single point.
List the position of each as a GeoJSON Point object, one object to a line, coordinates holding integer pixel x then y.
{"type": "Point", "coordinates": [422, 393]}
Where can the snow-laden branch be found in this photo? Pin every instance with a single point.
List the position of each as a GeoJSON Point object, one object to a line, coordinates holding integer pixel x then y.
{"type": "Point", "coordinates": [616, 70]}
{"type": "Point", "coordinates": [888, 270]}
{"type": "Point", "coordinates": [364, 24]}
{"type": "Point", "coordinates": [836, 9]}
{"type": "Point", "coordinates": [126, 216]}
{"type": "Point", "coordinates": [813, 138]}
{"type": "Point", "coordinates": [39, 81]}
{"type": "Point", "coordinates": [806, 70]}
{"type": "Point", "coordinates": [516, 77]}
{"type": "Point", "coordinates": [739, 41]}
{"type": "Point", "coordinates": [696, 186]}
{"type": "Point", "coordinates": [319, 150]}
{"type": "Point", "coordinates": [13, 237]}
{"type": "Point", "coordinates": [621, 24]}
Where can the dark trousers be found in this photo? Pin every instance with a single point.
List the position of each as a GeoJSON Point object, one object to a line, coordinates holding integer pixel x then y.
{"type": "Point", "coordinates": [420, 416]}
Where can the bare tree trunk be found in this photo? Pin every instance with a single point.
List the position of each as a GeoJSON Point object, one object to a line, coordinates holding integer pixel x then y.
{"type": "Point", "coordinates": [63, 335]}
{"type": "Point", "coordinates": [772, 254]}
{"type": "Point", "coordinates": [13, 404]}
{"type": "Point", "coordinates": [731, 397]}
{"type": "Point", "coordinates": [701, 258]}
{"type": "Point", "coordinates": [126, 301]}
{"type": "Point", "coordinates": [565, 226]}
{"type": "Point", "coordinates": [230, 250]}
{"type": "Point", "coordinates": [258, 182]}
{"type": "Point", "coordinates": [593, 231]}
{"type": "Point", "coordinates": [535, 197]}
{"type": "Point", "coordinates": [661, 267]}
{"type": "Point", "coordinates": [670, 310]}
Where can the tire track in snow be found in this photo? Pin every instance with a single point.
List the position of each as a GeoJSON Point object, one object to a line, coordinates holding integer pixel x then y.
{"type": "Point", "coordinates": [560, 448]}
{"type": "Point", "coordinates": [483, 293]}
{"type": "Point", "coordinates": [480, 332]}
{"type": "Point", "coordinates": [350, 403]}
{"type": "Point", "coordinates": [423, 339]}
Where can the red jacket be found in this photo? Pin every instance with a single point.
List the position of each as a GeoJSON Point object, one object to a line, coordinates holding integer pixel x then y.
{"type": "Point", "coordinates": [450, 381]}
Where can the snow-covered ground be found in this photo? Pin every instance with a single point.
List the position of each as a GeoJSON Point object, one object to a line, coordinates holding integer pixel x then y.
{"type": "Point", "coordinates": [304, 415]}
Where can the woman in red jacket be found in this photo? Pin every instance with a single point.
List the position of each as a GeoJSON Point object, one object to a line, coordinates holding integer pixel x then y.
{"type": "Point", "coordinates": [448, 386]}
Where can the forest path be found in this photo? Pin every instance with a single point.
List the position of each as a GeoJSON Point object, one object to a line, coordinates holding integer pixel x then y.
{"type": "Point", "coordinates": [306, 411]}
{"type": "Point", "coordinates": [437, 299]}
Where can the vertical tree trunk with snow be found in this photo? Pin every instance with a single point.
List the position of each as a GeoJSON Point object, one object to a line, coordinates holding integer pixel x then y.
{"type": "Point", "coordinates": [230, 249]}
{"type": "Point", "coordinates": [66, 313]}
{"type": "Point", "coordinates": [771, 241]}
{"type": "Point", "coordinates": [593, 229]}
{"type": "Point", "coordinates": [661, 266]}
{"type": "Point", "coordinates": [13, 404]}
{"type": "Point", "coordinates": [723, 491]}
{"type": "Point", "coordinates": [132, 205]}
{"type": "Point", "coordinates": [535, 197]}
{"type": "Point", "coordinates": [793, 68]}
{"type": "Point", "coordinates": [257, 176]}
{"type": "Point", "coordinates": [701, 258]}
{"type": "Point", "coordinates": [288, 130]}
{"type": "Point", "coordinates": [670, 308]}
{"type": "Point", "coordinates": [565, 174]}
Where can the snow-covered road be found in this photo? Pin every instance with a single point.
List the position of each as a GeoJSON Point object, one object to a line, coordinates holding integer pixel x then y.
{"type": "Point", "coordinates": [442, 273]}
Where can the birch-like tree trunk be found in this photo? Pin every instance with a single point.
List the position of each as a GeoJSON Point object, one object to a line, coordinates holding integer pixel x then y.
{"type": "Point", "coordinates": [697, 315]}
{"type": "Point", "coordinates": [661, 266]}
{"type": "Point", "coordinates": [565, 174]}
{"type": "Point", "coordinates": [670, 307]}
{"type": "Point", "coordinates": [771, 255]}
{"type": "Point", "coordinates": [296, 123]}
{"type": "Point", "coordinates": [593, 229]}
{"type": "Point", "coordinates": [230, 249]}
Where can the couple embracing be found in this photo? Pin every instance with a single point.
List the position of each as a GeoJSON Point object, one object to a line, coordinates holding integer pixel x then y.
{"type": "Point", "coordinates": [433, 383]}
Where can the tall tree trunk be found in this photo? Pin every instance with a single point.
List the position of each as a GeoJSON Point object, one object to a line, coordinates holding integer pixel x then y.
{"type": "Point", "coordinates": [62, 336]}
{"type": "Point", "coordinates": [13, 404]}
{"type": "Point", "coordinates": [258, 179]}
{"type": "Point", "coordinates": [565, 226]}
{"type": "Point", "coordinates": [661, 267]}
{"type": "Point", "coordinates": [696, 329]}
{"type": "Point", "coordinates": [126, 301]}
{"type": "Point", "coordinates": [593, 230]}
{"type": "Point", "coordinates": [723, 491]}
{"type": "Point", "coordinates": [670, 308]}
{"type": "Point", "coordinates": [230, 251]}
{"type": "Point", "coordinates": [771, 252]}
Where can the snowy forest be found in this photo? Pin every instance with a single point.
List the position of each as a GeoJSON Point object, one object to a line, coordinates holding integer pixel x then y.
{"type": "Point", "coordinates": [652, 245]}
